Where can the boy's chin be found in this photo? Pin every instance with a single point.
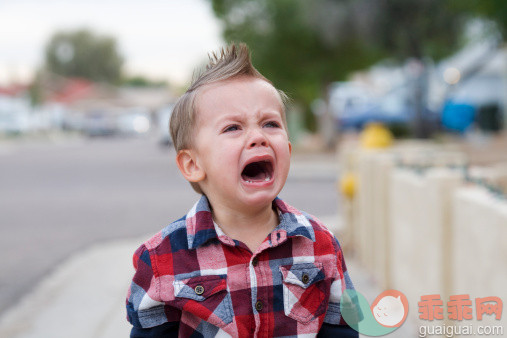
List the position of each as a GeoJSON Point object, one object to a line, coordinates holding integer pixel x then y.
{"type": "Point", "coordinates": [259, 198]}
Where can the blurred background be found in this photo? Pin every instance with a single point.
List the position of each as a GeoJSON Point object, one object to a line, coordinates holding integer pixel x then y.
{"type": "Point", "coordinates": [397, 119]}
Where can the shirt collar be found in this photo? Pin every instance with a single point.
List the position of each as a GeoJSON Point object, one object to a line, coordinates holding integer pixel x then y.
{"type": "Point", "coordinates": [201, 228]}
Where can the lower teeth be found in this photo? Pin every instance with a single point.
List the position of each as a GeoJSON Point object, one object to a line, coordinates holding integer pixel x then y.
{"type": "Point", "coordinates": [265, 180]}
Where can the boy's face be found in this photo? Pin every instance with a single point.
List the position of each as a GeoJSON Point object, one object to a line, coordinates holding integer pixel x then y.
{"type": "Point", "coordinates": [241, 143]}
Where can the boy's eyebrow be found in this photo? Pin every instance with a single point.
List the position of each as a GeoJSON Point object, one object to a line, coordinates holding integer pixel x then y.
{"type": "Point", "coordinates": [240, 116]}
{"type": "Point", "coordinates": [230, 116]}
{"type": "Point", "coordinates": [271, 114]}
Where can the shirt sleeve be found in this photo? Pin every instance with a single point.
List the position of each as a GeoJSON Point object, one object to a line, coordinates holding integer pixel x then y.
{"type": "Point", "coordinates": [167, 330]}
{"type": "Point", "coordinates": [144, 306]}
{"type": "Point", "coordinates": [342, 281]}
{"type": "Point", "coordinates": [333, 331]}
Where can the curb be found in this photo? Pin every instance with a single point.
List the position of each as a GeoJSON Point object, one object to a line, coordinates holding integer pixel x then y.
{"type": "Point", "coordinates": [81, 298]}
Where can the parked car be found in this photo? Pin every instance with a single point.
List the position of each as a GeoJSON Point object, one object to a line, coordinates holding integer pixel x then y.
{"type": "Point", "coordinates": [15, 122]}
{"type": "Point", "coordinates": [99, 123]}
{"type": "Point", "coordinates": [354, 106]}
{"type": "Point", "coordinates": [110, 122]}
{"type": "Point", "coordinates": [15, 115]}
{"type": "Point", "coordinates": [163, 117]}
{"type": "Point", "coordinates": [134, 122]}
{"type": "Point", "coordinates": [351, 104]}
{"type": "Point", "coordinates": [478, 101]}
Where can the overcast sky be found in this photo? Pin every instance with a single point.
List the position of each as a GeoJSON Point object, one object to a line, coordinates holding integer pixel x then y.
{"type": "Point", "coordinates": [161, 39]}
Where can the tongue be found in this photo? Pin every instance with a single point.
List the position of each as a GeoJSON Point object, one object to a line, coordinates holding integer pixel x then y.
{"type": "Point", "coordinates": [255, 173]}
{"type": "Point", "coordinates": [259, 176]}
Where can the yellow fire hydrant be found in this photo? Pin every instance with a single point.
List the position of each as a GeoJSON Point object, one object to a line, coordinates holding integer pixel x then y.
{"type": "Point", "coordinates": [348, 185]}
{"type": "Point", "coordinates": [375, 136]}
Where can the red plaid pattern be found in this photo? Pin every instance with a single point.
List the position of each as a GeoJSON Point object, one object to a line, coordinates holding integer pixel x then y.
{"type": "Point", "coordinates": [193, 274]}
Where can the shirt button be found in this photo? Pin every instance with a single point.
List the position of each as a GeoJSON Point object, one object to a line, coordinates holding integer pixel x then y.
{"type": "Point", "coordinates": [255, 261]}
{"type": "Point", "coordinates": [199, 290]}
{"type": "Point", "coordinates": [305, 279]}
{"type": "Point", "coordinates": [258, 305]}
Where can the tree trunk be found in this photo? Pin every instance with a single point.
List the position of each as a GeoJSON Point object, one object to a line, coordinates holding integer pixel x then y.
{"type": "Point", "coordinates": [420, 125]}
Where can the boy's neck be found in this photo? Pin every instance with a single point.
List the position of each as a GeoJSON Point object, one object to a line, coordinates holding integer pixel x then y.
{"type": "Point", "coordinates": [250, 227]}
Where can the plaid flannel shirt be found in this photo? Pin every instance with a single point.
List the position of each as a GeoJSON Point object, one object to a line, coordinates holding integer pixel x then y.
{"type": "Point", "coordinates": [192, 274]}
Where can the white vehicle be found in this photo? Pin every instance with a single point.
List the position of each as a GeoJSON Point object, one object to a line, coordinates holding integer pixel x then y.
{"type": "Point", "coordinates": [15, 115]}
{"type": "Point", "coordinates": [163, 117]}
{"type": "Point", "coordinates": [134, 122]}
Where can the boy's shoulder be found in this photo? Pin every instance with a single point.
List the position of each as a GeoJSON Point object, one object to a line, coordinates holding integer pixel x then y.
{"type": "Point", "coordinates": [299, 221]}
{"type": "Point", "coordinates": [190, 231]}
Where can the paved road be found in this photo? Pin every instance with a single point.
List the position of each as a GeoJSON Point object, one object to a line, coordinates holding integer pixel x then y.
{"type": "Point", "coordinates": [57, 199]}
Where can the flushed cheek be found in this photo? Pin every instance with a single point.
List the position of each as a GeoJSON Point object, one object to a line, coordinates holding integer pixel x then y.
{"type": "Point", "coordinates": [284, 172]}
{"type": "Point", "coordinates": [225, 170]}
{"type": "Point", "coordinates": [284, 161]}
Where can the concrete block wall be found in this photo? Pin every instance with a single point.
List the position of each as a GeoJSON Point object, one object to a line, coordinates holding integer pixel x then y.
{"type": "Point", "coordinates": [423, 229]}
{"type": "Point", "coordinates": [420, 229]}
{"type": "Point", "coordinates": [370, 224]}
{"type": "Point", "coordinates": [479, 245]}
{"type": "Point", "coordinates": [365, 200]}
{"type": "Point", "coordinates": [371, 227]}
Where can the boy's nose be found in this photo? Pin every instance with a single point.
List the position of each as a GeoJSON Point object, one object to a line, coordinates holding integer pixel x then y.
{"type": "Point", "coordinates": [257, 139]}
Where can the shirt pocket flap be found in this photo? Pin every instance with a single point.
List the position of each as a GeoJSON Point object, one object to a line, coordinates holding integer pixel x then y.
{"type": "Point", "coordinates": [200, 288]}
{"type": "Point", "coordinates": [302, 274]}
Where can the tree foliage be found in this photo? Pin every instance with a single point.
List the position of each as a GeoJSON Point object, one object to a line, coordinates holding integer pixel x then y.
{"type": "Point", "coordinates": [419, 28]}
{"type": "Point", "coordinates": [494, 10]}
{"type": "Point", "coordinates": [141, 81]}
{"type": "Point", "coordinates": [302, 45]}
{"type": "Point", "coordinates": [290, 48]}
{"type": "Point", "coordinates": [85, 54]}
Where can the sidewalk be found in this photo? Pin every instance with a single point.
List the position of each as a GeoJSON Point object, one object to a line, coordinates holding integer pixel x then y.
{"type": "Point", "coordinates": [85, 296]}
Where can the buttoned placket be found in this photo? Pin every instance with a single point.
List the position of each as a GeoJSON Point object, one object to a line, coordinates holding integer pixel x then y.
{"type": "Point", "coordinates": [257, 280]}
{"type": "Point", "coordinates": [260, 301]}
{"type": "Point", "coordinates": [258, 304]}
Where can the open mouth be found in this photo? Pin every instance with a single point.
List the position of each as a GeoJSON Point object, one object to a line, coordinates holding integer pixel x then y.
{"type": "Point", "coordinates": [255, 172]}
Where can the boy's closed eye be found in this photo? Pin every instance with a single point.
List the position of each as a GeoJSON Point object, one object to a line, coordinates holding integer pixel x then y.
{"type": "Point", "coordinates": [234, 127]}
{"type": "Point", "coordinates": [272, 124]}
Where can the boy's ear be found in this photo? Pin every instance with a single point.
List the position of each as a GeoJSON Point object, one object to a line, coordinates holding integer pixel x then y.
{"type": "Point", "coordinates": [187, 163]}
{"type": "Point", "coordinates": [290, 148]}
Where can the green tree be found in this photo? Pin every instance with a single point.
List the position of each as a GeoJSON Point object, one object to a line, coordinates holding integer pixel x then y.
{"type": "Point", "coordinates": [290, 49]}
{"type": "Point", "coordinates": [494, 10]}
{"type": "Point", "coordinates": [85, 54]}
{"type": "Point", "coordinates": [302, 46]}
{"type": "Point", "coordinates": [141, 81]}
{"type": "Point", "coordinates": [424, 31]}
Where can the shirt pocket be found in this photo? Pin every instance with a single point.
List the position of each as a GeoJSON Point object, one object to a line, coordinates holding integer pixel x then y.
{"type": "Point", "coordinates": [304, 294]}
{"type": "Point", "coordinates": [205, 297]}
